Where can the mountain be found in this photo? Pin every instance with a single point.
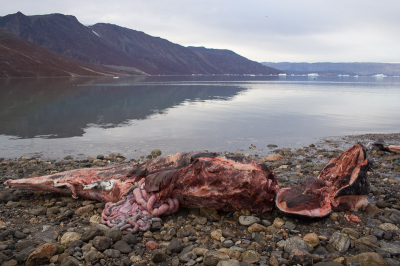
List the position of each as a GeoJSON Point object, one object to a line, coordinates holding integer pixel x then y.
{"type": "Point", "coordinates": [231, 63]}
{"type": "Point", "coordinates": [20, 58]}
{"type": "Point", "coordinates": [365, 69]}
{"type": "Point", "coordinates": [125, 49]}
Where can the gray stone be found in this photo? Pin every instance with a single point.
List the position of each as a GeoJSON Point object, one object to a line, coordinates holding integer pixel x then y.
{"type": "Point", "coordinates": [366, 244]}
{"type": "Point", "coordinates": [130, 239]}
{"type": "Point", "coordinates": [300, 257]}
{"type": "Point", "coordinates": [351, 232]}
{"type": "Point", "coordinates": [123, 247]}
{"type": "Point", "coordinates": [175, 245]}
{"type": "Point", "coordinates": [102, 243]}
{"type": "Point", "coordinates": [248, 220]}
{"type": "Point", "coordinates": [250, 256]}
{"type": "Point", "coordinates": [115, 234]}
{"type": "Point", "coordinates": [320, 251]}
{"type": "Point", "coordinates": [187, 256]}
{"type": "Point", "coordinates": [370, 258]}
{"type": "Point", "coordinates": [38, 211]}
{"type": "Point", "coordinates": [340, 241]}
{"type": "Point", "coordinates": [7, 196]}
{"type": "Point", "coordinates": [70, 261]}
{"type": "Point", "coordinates": [297, 243]}
{"type": "Point", "coordinates": [289, 225]}
{"type": "Point", "coordinates": [328, 263]}
{"type": "Point", "coordinates": [158, 256]}
{"type": "Point", "coordinates": [46, 236]}
{"type": "Point", "coordinates": [227, 232]}
{"type": "Point", "coordinates": [228, 243]}
{"type": "Point", "coordinates": [390, 247]}
{"type": "Point", "coordinates": [90, 234]}
{"type": "Point", "coordinates": [91, 256]}
{"type": "Point", "coordinates": [211, 258]}
{"type": "Point", "coordinates": [392, 262]}
{"type": "Point", "coordinates": [229, 262]}
{"type": "Point", "coordinates": [112, 253]}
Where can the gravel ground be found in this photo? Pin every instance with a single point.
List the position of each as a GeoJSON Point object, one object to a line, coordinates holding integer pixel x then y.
{"type": "Point", "coordinates": [38, 228]}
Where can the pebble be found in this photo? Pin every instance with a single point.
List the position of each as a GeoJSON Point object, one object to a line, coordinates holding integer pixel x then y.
{"type": "Point", "coordinates": [248, 220]}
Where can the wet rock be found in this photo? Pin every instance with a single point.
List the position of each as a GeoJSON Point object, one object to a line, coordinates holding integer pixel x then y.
{"type": "Point", "coordinates": [216, 234]}
{"type": "Point", "coordinates": [85, 210]}
{"type": "Point", "coordinates": [90, 234]}
{"type": "Point", "coordinates": [256, 228]}
{"type": "Point", "coordinates": [328, 263]}
{"type": "Point", "coordinates": [388, 227]}
{"type": "Point", "coordinates": [211, 258]}
{"type": "Point", "coordinates": [340, 241]}
{"type": "Point", "coordinates": [102, 243]}
{"type": "Point", "coordinates": [233, 254]}
{"type": "Point", "coordinates": [151, 245]}
{"type": "Point", "coordinates": [41, 255]}
{"type": "Point", "coordinates": [115, 234]}
{"type": "Point", "coordinates": [311, 239]}
{"type": "Point", "coordinates": [278, 222]}
{"type": "Point", "coordinates": [248, 220]}
{"type": "Point", "coordinates": [130, 239]}
{"type": "Point", "coordinates": [366, 244]}
{"type": "Point", "coordinates": [229, 262]}
{"type": "Point", "coordinates": [69, 237]}
{"type": "Point", "coordinates": [38, 211]}
{"type": "Point", "coordinates": [187, 256]}
{"type": "Point", "coordinates": [10, 263]}
{"type": "Point", "coordinates": [228, 243]}
{"type": "Point", "coordinates": [289, 225]}
{"type": "Point", "coordinates": [370, 259]}
{"type": "Point", "coordinates": [92, 256]}
{"type": "Point", "coordinates": [7, 196]}
{"type": "Point", "coordinates": [274, 157]}
{"type": "Point", "coordinates": [158, 256]}
{"type": "Point", "coordinates": [300, 257]}
{"type": "Point", "coordinates": [392, 248]}
{"type": "Point", "coordinates": [123, 247]}
{"type": "Point", "coordinates": [52, 211]}
{"type": "Point", "coordinates": [250, 256]}
{"type": "Point", "coordinates": [70, 261]}
{"type": "Point", "coordinates": [175, 246]}
{"type": "Point", "coordinates": [227, 232]}
{"type": "Point", "coordinates": [112, 253]}
{"type": "Point", "coordinates": [296, 243]}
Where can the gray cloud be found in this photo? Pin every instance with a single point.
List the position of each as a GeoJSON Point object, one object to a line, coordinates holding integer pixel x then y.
{"type": "Point", "coordinates": [297, 31]}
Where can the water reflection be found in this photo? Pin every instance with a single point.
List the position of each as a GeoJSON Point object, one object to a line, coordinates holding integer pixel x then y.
{"type": "Point", "coordinates": [58, 108]}
{"type": "Point", "coordinates": [133, 115]}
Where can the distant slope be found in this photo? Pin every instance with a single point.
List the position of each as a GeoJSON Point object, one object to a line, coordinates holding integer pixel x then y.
{"type": "Point", "coordinates": [122, 48]}
{"type": "Point", "coordinates": [390, 69]}
{"type": "Point", "coordinates": [153, 55]}
{"type": "Point", "coordinates": [20, 58]}
{"type": "Point", "coordinates": [231, 63]}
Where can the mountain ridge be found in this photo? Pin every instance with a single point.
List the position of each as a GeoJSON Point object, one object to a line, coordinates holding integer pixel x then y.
{"type": "Point", "coordinates": [122, 48]}
{"type": "Point", "coordinates": [329, 68]}
{"type": "Point", "coordinates": [20, 58]}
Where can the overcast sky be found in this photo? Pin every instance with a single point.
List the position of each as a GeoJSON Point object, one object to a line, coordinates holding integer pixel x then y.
{"type": "Point", "coordinates": [261, 30]}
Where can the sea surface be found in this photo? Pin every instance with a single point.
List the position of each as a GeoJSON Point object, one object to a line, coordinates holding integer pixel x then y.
{"type": "Point", "coordinates": [56, 117]}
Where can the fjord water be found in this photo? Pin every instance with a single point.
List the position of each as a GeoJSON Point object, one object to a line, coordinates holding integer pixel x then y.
{"type": "Point", "coordinates": [56, 117]}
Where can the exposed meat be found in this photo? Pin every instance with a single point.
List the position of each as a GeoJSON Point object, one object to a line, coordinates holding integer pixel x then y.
{"type": "Point", "coordinates": [341, 185]}
{"type": "Point", "coordinates": [137, 193]}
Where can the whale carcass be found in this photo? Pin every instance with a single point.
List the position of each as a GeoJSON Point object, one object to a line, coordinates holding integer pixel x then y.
{"type": "Point", "coordinates": [137, 194]}
{"type": "Point", "coordinates": [342, 185]}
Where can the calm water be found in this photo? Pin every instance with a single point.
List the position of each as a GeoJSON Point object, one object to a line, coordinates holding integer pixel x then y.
{"type": "Point", "coordinates": [134, 115]}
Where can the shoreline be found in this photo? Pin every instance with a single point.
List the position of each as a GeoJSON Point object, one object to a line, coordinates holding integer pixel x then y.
{"type": "Point", "coordinates": [71, 229]}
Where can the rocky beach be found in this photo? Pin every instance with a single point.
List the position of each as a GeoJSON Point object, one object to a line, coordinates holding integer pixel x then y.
{"type": "Point", "coordinates": [39, 228]}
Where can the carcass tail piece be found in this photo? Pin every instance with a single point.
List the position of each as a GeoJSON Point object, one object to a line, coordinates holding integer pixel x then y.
{"type": "Point", "coordinates": [102, 184]}
{"type": "Point", "coordinates": [341, 185]}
